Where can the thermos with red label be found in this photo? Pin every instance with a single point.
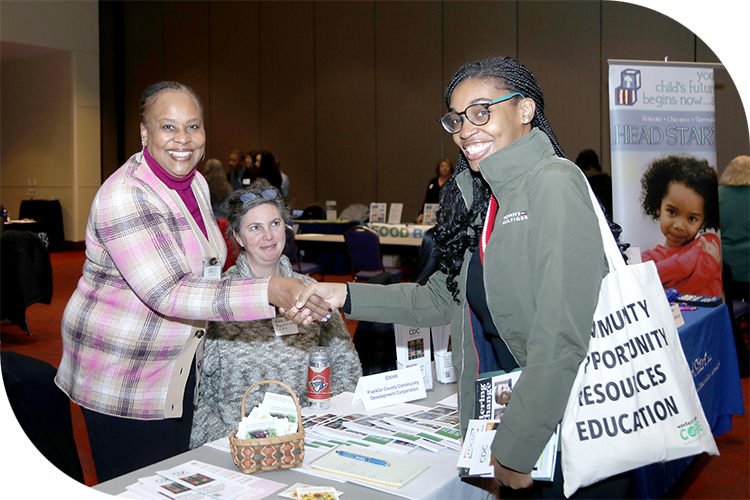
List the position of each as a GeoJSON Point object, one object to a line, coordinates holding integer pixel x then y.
{"type": "Point", "coordinates": [319, 379]}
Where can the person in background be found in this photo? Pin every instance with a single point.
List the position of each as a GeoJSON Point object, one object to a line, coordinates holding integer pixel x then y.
{"type": "Point", "coordinates": [250, 165]}
{"type": "Point", "coordinates": [681, 193]}
{"type": "Point", "coordinates": [601, 183]}
{"type": "Point", "coordinates": [238, 176]}
{"type": "Point", "coordinates": [268, 169]}
{"type": "Point", "coordinates": [284, 180]}
{"type": "Point", "coordinates": [132, 332]}
{"type": "Point", "coordinates": [443, 170]}
{"type": "Point", "coordinates": [734, 210]}
{"type": "Point", "coordinates": [521, 262]}
{"type": "Point", "coordinates": [219, 187]}
{"type": "Point", "coordinates": [241, 353]}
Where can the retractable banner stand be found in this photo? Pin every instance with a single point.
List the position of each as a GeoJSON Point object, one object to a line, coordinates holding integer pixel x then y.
{"type": "Point", "coordinates": [656, 109]}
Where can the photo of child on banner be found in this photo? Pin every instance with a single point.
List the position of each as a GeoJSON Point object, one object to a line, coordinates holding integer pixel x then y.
{"type": "Point", "coordinates": [633, 402]}
{"type": "Point", "coordinates": [681, 193]}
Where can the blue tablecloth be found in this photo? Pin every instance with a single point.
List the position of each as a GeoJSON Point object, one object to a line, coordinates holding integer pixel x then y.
{"type": "Point", "coordinates": [708, 343]}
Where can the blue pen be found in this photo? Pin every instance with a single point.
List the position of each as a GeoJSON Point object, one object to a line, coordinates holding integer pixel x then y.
{"type": "Point", "coordinates": [363, 458]}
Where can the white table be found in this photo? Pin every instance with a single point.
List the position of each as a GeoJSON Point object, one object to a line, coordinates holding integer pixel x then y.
{"type": "Point", "coordinates": [443, 483]}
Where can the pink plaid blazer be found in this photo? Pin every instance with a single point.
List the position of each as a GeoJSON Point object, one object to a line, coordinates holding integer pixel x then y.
{"type": "Point", "coordinates": [132, 326]}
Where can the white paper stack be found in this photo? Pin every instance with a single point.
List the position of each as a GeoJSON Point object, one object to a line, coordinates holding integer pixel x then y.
{"type": "Point", "coordinates": [413, 347]}
{"type": "Point", "coordinates": [441, 336]}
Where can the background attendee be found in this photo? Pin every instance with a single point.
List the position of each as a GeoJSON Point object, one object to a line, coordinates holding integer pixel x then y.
{"type": "Point", "coordinates": [681, 193]}
{"type": "Point", "coordinates": [250, 165]}
{"type": "Point", "coordinates": [734, 209]}
{"type": "Point", "coordinates": [219, 187]}
{"type": "Point", "coordinates": [241, 353]}
{"type": "Point", "coordinates": [601, 183]}
{"type": "Point", "coordinates": [284, 180]}
{"type": "Point", "coordinates": [133, 326]}
{"type": "Point", "coordinates": [268, 169]}
{"type": "Point", "coordinates": [520, 284]}
{"type": "Point", "coordinates": [238, 175]}
{"type": "Point", "coordinates": [443, 171]}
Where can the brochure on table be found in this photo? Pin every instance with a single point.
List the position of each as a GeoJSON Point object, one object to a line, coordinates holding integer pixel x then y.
{"type": "Point", "coordinates": [429, 213]}
{"type": "Point", "coordinates": [377, 212]}
{"type": "Point", "coordinates": [441, 338]}
{"type": "Point", "coordinates": [413, 348]}
{"type": "Point", "coordinates": [394, 216]}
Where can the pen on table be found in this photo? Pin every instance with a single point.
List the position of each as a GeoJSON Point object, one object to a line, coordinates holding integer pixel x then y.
{"type": "Point", "coordinates": [687, 308]}
{"type": "Point", "coordinates": [363, 458]}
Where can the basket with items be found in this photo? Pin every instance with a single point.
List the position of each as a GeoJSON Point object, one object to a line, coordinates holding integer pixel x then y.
{"type": "Point", "coordinates": [271, 437]}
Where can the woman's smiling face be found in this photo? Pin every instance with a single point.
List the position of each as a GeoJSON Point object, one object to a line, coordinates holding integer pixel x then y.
{"type": "Point", "coordinates": [263, 236]}
{"type": "Point", "coordinates": [509, 120]}
{"type": "Point", "coordinates": [174, 133]}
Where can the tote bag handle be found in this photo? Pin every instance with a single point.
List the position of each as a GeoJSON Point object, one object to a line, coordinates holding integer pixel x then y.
{"type": "Point", "coordinates": [611, 250]}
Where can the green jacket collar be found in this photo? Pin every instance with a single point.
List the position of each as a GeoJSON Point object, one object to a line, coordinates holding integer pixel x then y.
{"type": "Point", "coordinates": [516, 158]}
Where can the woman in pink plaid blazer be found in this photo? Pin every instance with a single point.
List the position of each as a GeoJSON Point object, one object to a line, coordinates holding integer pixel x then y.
{"type": "Point", "coordinates": [133, 329]}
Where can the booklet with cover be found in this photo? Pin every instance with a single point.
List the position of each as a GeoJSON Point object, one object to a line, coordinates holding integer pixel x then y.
{"type": "Point", "coordinates": [363, 464]}
{"type": "Point", "coordinates": [493, 392]}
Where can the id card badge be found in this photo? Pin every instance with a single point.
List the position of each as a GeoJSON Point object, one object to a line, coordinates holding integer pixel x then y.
{"type": "Point", "coordinates": [283, 326]}
{"type": "Point", "coordinates": [211, 267]}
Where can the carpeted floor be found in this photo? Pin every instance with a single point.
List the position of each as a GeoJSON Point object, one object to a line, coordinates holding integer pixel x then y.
{"type": "Point", "coordinates": [723, 477]}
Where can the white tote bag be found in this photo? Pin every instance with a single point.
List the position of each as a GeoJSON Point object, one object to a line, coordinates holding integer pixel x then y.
{"type": "Point", "coordinates": [633, 402]}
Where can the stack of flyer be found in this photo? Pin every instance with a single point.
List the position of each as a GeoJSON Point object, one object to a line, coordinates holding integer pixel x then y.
{"type": "Point", "coordinates": [441, 340]}
{"type": "Point", "coordinates": [413, 348]}
{"type": "Point", "coordinates": [493, 392]}
{"type": "Point", "coordinates": [439, 424]}
{"type": "Point", "coordinates": [195, 480]}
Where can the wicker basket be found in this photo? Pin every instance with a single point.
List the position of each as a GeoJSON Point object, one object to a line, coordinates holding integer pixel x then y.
{"type": "Point", "coordinates": [274, 453]}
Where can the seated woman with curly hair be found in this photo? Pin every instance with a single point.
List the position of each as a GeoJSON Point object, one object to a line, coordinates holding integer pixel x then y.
{"type": "Point", "coordinates": [240, 353]}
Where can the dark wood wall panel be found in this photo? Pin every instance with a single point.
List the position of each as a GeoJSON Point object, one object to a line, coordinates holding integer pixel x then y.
{"type": "Point", "coordinates": [468, 37]}
{"type": "Point", "coordinates": [346, 93]}
{"type": "Point", "coordinates": [233, 110]}
{"type": "Point", "coordinates": [408, 93]}
{"type": "Point", "coordinates": [566, 64]}
{"type": "Point", "coordinates": [633, 32]}
{"type": "Point", "coordinates": [287, 86]}
{"type": "Point", "coordinates": [143, 63]}
{"type": "Point", "coordinates": [345, 168]}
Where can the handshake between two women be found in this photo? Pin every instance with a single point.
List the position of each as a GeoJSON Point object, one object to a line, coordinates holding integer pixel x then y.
{"type": "Point", "coordinates": [314, 301]}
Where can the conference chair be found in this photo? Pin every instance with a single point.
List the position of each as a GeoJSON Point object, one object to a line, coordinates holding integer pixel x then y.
{"type": "Point", "coordinates": [26, 275]}
{"type": "Point", "coordinates": [292, 252]}
{"type": "Point", "coordinates": [363, 245]}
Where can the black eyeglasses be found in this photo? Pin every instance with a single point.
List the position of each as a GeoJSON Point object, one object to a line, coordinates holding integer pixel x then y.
{"type": "Point", "coordinates": [478, 114]}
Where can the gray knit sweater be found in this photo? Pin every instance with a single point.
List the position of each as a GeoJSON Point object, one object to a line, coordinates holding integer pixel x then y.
{"type": "Point", "coordinates": [241, 353]}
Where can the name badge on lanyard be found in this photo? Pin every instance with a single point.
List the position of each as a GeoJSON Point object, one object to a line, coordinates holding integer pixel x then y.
{"type": "Point", "coordinates": [211, 267]}
{"type": "Point", "coordinates": [283, 326]}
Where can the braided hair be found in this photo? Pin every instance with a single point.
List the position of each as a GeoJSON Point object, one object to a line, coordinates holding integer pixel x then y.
{"type": "Point", "coordinates": [456, 230]}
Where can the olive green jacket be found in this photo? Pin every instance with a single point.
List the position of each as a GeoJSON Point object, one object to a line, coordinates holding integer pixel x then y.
{"type": "Point", "coordinates": [542, 270]}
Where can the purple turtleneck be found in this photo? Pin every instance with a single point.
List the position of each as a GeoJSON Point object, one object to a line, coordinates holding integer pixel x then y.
{"type": "Point", "coordinates": [181, 185]}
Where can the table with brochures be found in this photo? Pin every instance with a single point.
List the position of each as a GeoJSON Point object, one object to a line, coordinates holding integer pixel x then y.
{"type": "Point", "coordinates": [706, 339]}
{"type": "Point", "coordinates": [439, 481]}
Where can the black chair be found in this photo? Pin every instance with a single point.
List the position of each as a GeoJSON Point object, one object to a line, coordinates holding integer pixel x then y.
{"type": "Point", "coordinates": [739, 313]}
{"type": "Point", "coordinates": [376, 342]}
{"type": "Point", "coordinates": [42, 410]}
{"type": "Point", "coordinates": [292, 252]}
{"type": "Point", "coordinates": [26, 275]}
{"type": "Point", "coordinates": [363, 245]}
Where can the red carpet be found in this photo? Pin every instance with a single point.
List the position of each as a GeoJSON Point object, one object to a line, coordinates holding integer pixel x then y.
{"type": "Point", "coordinates": [723, 477]}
